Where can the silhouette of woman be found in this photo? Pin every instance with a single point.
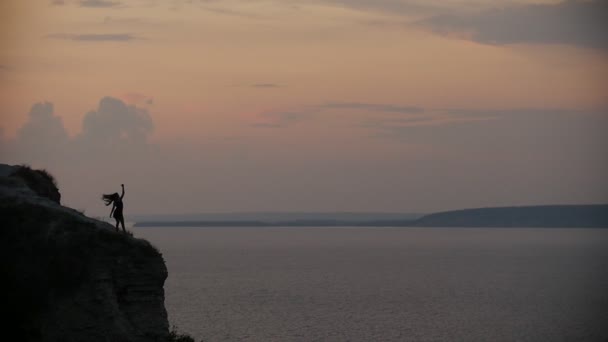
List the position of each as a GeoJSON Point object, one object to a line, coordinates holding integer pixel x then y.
{"type": "Point", "coordinates": [116, 207]}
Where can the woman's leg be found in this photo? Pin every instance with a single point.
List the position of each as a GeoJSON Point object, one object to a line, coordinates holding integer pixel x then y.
{"type": "Point", "coordinates": [117, 222]}
{"type": "Point", "coordinates": [122, 222]}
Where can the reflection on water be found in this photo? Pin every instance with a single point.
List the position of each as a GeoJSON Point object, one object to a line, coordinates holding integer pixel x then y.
{"type": "Point", "coordinates": [386, 284]}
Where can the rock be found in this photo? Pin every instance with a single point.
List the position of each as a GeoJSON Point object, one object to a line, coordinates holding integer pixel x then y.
{"type": "Point", "coordinates": [72, 278]}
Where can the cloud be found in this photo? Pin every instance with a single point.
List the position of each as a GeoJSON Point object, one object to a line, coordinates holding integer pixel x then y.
{"type": "Point", "coordinates": [390, 6]}
{"type": "Point", "coordinates": [43, 135]}
{"type": "Point", "coordinates": [395, 126]}
{"type": "Point", "coordinates": [98, 3]}
{"type": "Point", "coordinates": [572, 22]}
{"type": "Point", "coordinates": [133, 22]}
{"type": "Point", "coordinates": [135, 98]}
{"type": "Point", "coordinates": [258, 9]}
{"type": "Point", "coordinates": [279, 119]}
{"type": "Point", "coordinates": [116, 123]}
{"type": "Point", "coordinates": [57, 2]}
{"type": "Point", "coordinates": [265, 85]}
{"type": "Point", "coordinates": [389, 108]}
{"type": "Point", "coordinates": [104, 37]}
{"type": "Point", "coordinates": [518, 127]}
{"type": "Point", "coordinates": [113, 128]}
{"type": "Point", "coordinates": [232, 12]}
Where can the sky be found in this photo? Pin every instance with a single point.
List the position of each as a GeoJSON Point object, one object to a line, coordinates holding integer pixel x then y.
{"type": "Point", "coordinates": [317, 105]}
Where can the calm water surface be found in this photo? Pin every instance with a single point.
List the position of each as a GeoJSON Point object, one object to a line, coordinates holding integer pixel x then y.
{"type": "Point", "coordinates": [386, 284]}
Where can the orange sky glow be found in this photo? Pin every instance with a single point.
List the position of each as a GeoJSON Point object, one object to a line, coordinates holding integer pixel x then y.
{"type": "Point", "coordinates": [357, 87]}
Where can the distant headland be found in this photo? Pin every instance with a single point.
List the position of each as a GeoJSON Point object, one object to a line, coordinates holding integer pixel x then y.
{"type": "Point", "coordinates": [543, 216]}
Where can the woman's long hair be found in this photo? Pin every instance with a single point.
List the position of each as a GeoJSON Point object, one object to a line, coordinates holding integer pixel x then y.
{"type": "Point", "coordinates": [109, 198]}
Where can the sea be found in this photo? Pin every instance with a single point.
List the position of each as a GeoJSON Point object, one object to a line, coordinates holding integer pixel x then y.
{"type": "Point", "coordinates": [385, 284]}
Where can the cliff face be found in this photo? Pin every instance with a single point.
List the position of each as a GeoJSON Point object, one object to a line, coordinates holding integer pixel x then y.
{"type": "Point", "coordinates": [73, 278]}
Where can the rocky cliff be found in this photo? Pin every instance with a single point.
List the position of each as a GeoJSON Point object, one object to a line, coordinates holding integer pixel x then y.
{"type": "Point", "coordinates": [68, 277]}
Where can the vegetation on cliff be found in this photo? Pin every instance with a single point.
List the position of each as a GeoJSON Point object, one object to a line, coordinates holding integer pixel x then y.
{"type": "Point", "coordinates": [40, 181]}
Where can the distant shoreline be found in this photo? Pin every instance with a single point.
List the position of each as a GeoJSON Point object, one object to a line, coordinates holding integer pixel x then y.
{"type": "Point", "coordinates": [303, 223]}
{"type": "Point", "coordinates": [547, 216]}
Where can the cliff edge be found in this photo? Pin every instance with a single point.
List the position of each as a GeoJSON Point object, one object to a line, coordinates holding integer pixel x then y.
{"type": "Point", "coordinates": [68, 277]}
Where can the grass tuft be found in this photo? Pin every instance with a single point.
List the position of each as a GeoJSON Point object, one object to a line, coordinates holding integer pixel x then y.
{"type": "Point", "coordinates": [175, 336]}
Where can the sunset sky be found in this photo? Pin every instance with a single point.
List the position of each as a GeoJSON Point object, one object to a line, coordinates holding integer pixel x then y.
{"type": "Point", "coordinates": [318, 105]}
